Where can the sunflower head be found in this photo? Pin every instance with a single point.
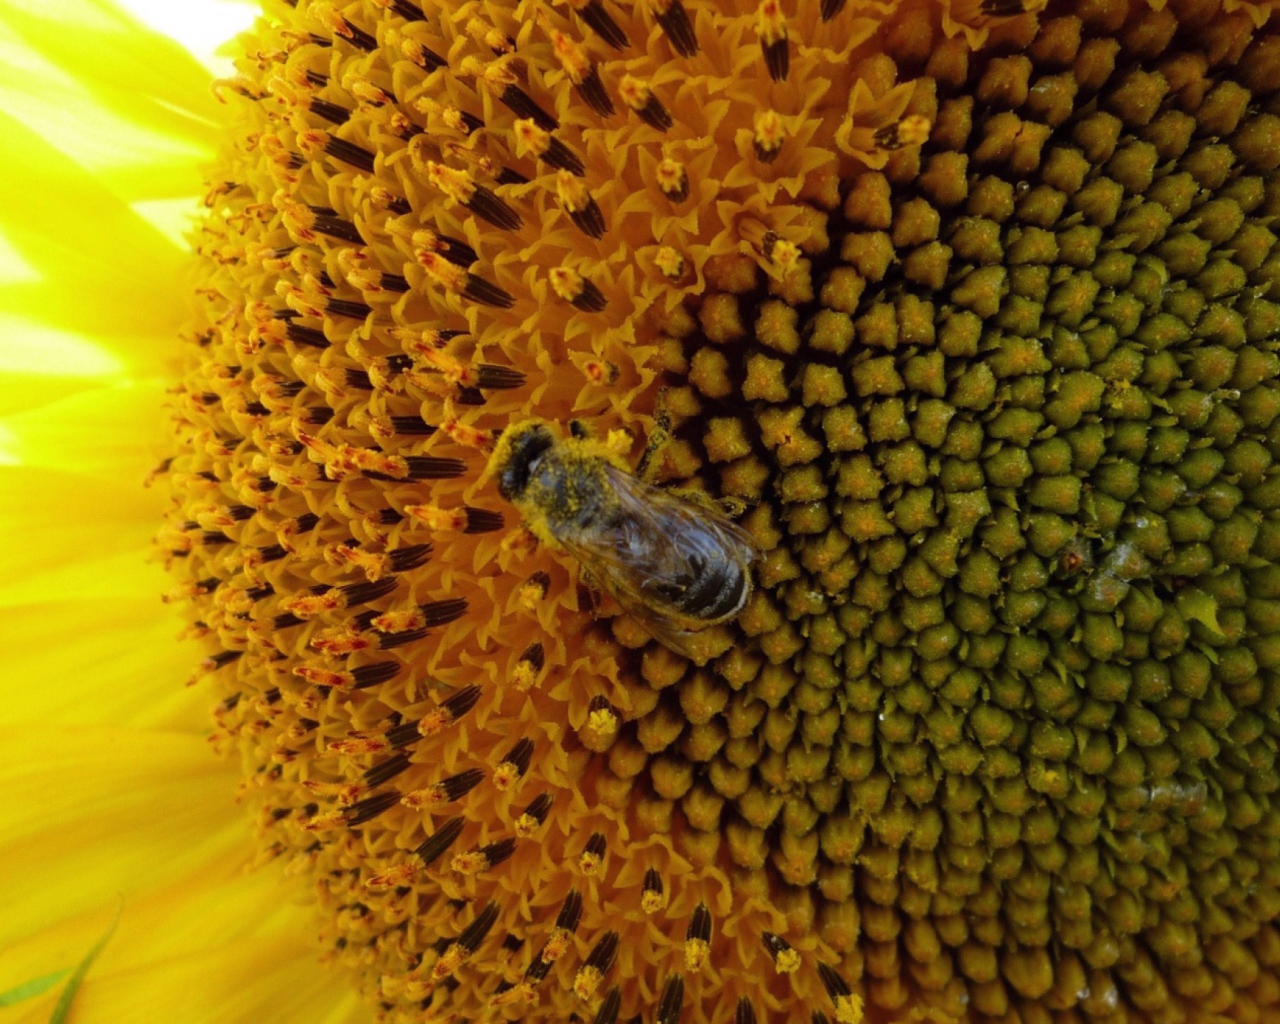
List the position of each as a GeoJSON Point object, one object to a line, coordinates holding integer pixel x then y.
{"type": "Point", "coordinates": [970, 307]}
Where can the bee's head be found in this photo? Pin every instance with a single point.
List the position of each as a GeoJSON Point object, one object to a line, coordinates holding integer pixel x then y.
{"type": "Point", "coordinates": [518, 450]}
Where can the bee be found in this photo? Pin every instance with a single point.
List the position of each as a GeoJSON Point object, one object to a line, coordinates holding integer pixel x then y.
{"type": "Point", "coordinates": [677, 566]}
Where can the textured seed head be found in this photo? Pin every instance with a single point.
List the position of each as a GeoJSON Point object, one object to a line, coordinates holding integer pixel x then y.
{"type": "Point", "coordinates": [968, 309]}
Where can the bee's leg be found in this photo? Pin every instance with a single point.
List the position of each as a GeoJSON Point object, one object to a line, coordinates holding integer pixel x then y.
{"type": "Point", "coordinates": [659, 438]}
{"type": "Point", "coordinates": [579, 429]}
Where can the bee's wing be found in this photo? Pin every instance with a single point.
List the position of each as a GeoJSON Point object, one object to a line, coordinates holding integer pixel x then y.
{"type": "Point", "coordinates": [651, 555]}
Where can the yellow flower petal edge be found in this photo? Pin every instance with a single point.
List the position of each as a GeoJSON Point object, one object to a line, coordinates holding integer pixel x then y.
{"type": "Point", "coordinates": [113, 799]}
{"type": "Point", "coordinates": [973, 305]}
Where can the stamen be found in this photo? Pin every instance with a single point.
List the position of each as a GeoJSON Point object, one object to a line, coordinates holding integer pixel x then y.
{"type": "Point", "coordinates": [768, 135]}
{"type": "Point", "coordinates": [387, 770]}
{"type": "Point", "coordinates": [484, 858]}
{"type": "Point", "coordinates": [372, 674]}
{"type": "Point", "coordinates": [425, 58]}
{"type": "Point", "coordinates": [446, 791]}
{"type": "Point", "coordinates": [637, 95]}
{"type": "Point", "coordinates": [848, 1003]}
{"type": "Point", "coordinates": [370, 807]}
{"type": "Point", "coordinates": [594, 14]}
{"type": "Point", "coordinates": [746, 1013]}
{"type": "Point", "coordinates": [444, 837]}
{"type": "Point", "coordinates": [593, 854]}
{"type": "Point", "coordinates": [771, 27]}
{"type": "Point", "coordinates": [608, 1012]}
{"type": "Point", "coordinates": [669, 262]}
{"type": "Point", "coordinates": [582, 72]}
{"type": "Point", "coordinates": [527, 668]}
{"type": "Point", "coordinates": [653, 897]}
{"type": "Point", "coordinates": [579, 204]}
{"type": "Point", "coordinates": [697, 939]}
{"type": "Point", "coordinates": [674, 19]}
{"type": "Point", "coordinates": [513, 767]}
{"type": "Point", "coordinates": [671, 1002]}
{"type": "Point", "coordinates": [454, 279]}
{"type": "Point", "coordinates": [576, 289]}
{"type": "Point", "coordinates": [438, 720]}
{"type": "Point", "coordinates": [532, 139]}
{"type": "Point", "coordinates": [785, 959]}
{"type": "Point", "coordinates": [459, 186]}
{"type": "Point", "coordinates": [598, 963]}
{"type": "Point", "coordinates": [533, 816]}
{"type": "Point", "coordinates": [441, 613]}
{"type": "Point", "coordinates": [673, 180]}
{"type": "Point", "coordinates": [327, 15]}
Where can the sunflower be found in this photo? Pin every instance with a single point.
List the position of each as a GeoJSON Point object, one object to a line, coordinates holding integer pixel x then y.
{"type": "Point", "coordinates": [115, 806]}
{"type": "Point", "coordinates": [970, 307]}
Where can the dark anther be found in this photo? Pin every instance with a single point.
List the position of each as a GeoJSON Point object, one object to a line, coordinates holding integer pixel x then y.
{"type": "Point", "coordinates": [484, 203]}
{"type": "Point", "coordinates": [404, 559]}
{"type": "Point", "coordinates": [700, 924]}
{"type": "Point", "coordinates": [371, 675]}
{"type": "Point", "coordinates": [445, 836]}
{"type": "Point", "coordinates": [492, 377]}
{"type": "Point", "coordinates": [746, 1013]}
{"type": "Point", "coordinates": [589, 220]}
{"type": "Point", "coordinates": [520, 756]}
{"type": "Point", "coordinates": [603, 24]}
{"type": "Point", "coordinates": [671, 1002]}
{"type": "Point", "coordinates": [570, 911]}
{"type": "Point", "coordinates": [363, 593]}
{"type": "Point", "coordinates": [522, 104]}
{"type": "Point", "coordinates": [412, 426]}
{"type": "Point", "coordinates": [307, 336]}
{"type": "Point", "coordinates": [679, 29]}
{"type": "Point", "coordinates": [428, 467]}
{"type": "Point", "coordinates": [347, 308]}
{"type": "Point", "coordinates": [386, 770]}
{"type": "Point", "coordinates": [476, 931]}
{"type": "Point", "coordinates": [455, 787]}
{"type": "Point", "coordinates": [370, 807]}
{"type": "Point", "coordinates": [350, 153]}
{"type": "Point", "coordinates": [481, 520]}
{"type": "Point", "coordinates": [777, 58]}
{"type": "Point", "coordinates": [608, 1012]}
{"type": "Point", "coordinates": [331, 112]}
{"type": "Point", "coordinates": [337, 227]}
{"type": "Point", "coordinates": [441, 613]}
{"type": "Point", "coordinates": [605, 952]}
{"type": "Point", "coordinates": [538, 809]}
{"type": "Point", "coordinates": [593, 91]}
{"type": "Point", "coordinates": [390, 641]}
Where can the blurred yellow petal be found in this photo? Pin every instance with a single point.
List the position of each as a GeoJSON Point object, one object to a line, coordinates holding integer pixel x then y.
{"type": "Point", "coordinates": [113, 796]}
